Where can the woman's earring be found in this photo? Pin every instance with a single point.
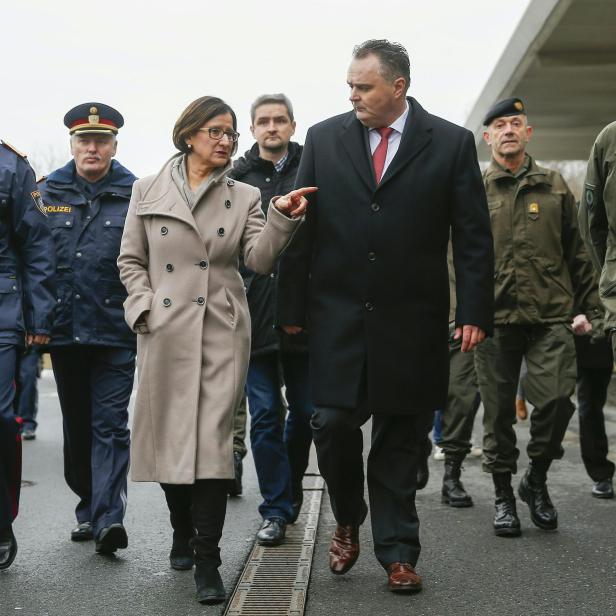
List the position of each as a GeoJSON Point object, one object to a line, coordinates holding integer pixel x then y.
{"type": "Point", "coordinates": [189, 146]}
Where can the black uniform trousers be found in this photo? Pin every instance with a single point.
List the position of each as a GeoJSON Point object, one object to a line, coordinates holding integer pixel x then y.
{"type": "Point", "coordinates": [94, 387]}
{"type": "Point", "coordinates": [595, 365]}
{"type": "Point", "coordinates": [396, 446]}
{"type": "Point", "coordinates": [10, 441]}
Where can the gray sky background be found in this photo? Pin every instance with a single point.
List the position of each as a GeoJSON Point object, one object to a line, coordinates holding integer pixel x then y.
{"type": "Point", "coordinates": [150, 59]}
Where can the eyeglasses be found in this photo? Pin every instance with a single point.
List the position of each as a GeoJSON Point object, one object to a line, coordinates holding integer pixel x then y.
{"type": "Point", "coordinates": [217, 133]}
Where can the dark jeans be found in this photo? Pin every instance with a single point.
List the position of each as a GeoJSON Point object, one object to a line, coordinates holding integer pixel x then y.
{"type": "Point", "coordinates": [27, 390]}
{"type": "Point", "coordinates": [592, 384]}
{"type": "Point", "coordinates": [198, 511]}
{"type": "Point", "coordinates": [398, 441]}
{"type": "Point", "coordinates": [94, 387]}
{"type": "Point", "coordinates": [10, 444]}
{"type": "Point", "coordinates": [280, 460]}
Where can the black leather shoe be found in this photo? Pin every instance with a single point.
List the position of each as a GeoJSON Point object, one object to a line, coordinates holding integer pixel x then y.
{"type": "Point", "coordinates": [210, 589]}
{"type": "Point", "coordinates": [235, 485]}
{"type": "Point", "coordinates": [82, 532]}
{"type": "Point", "coordinates": [453, 492]}
{"type": "Point", "coordinates": [8, 547]}
{"type": "Point", "coordinates": [272, 532]}
{"type": "Point", "coordinates": [506, 521]}
{"type": "Point", "coordinates": [423, 473]}
{"type": "Point", "coordinates": [534, 492]}
{"type": "Point", "coordinates": [112, 538]}
{"type": "Point", "coordinates": [603, 489]}
{"type": "Point", "coordinates": [297, 502]}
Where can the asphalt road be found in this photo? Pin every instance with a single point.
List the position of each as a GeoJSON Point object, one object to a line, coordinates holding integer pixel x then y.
{"type": "Point", "coordinates": [466, 569]}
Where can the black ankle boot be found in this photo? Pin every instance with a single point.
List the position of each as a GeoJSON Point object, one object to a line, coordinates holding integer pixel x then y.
{"type": "Point", "coordinates": [453, 492]}
{"type": "Point", "coordinates": [181, 556]}
{"type": "Point", "coordinates": [210, 589]}
{"type": "Point", "coordinates": [534, 492]}
{"type": "Point", "coordinates": [506, 521]}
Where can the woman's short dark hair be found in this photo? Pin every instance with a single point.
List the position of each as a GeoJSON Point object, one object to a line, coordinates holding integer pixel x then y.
{"type": "Point", "coordinates": [195, 116]}
{"type": "Point", "coordinates": [393, 58]}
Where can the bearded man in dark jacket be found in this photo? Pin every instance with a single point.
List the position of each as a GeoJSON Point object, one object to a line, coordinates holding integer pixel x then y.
{"type": "Point", "coordinates": [277, 359]}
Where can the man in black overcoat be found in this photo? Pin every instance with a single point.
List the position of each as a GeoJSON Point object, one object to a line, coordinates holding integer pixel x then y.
{"type": "Point", "coordinates": [367, 276]}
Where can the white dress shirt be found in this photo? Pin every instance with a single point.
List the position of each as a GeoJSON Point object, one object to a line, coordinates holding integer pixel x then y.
{"type": "Point", "coordinates": [393, 143]}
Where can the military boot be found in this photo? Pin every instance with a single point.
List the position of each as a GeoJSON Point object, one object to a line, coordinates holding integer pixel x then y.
{"type": "Point", "coordinates": [506, 521]}
{"type": "Point", "coordinates": [534, 492]}
{"type": "Point", "coordinates": [453, 492]}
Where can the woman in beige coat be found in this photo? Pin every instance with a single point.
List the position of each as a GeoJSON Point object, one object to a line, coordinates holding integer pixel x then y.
{"type": "Point", "coordinates": [179, 256]}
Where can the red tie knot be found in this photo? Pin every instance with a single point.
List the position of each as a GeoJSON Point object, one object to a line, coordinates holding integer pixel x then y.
{"type": "Point", "coordinates": [385, 132]}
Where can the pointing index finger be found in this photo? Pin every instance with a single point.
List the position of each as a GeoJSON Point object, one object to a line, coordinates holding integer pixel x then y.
{"type": "Point", "coordinates": [300, 192]}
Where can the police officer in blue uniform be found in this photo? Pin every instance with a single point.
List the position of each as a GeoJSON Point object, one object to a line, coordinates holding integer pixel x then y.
{"type": "Point", "coordinates": [27, 299]}
{"type": "Point", "coordinates": [92, 349]}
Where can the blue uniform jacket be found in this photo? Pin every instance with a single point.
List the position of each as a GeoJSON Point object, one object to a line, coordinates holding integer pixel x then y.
{"type": "Point", "coordinates": [87, 234]}
{"type": "Point", "coordinates": [27, 264]}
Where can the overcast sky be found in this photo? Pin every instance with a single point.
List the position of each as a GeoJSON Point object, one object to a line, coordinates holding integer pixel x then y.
{"type": "Point", "coordinates": [150, 59]}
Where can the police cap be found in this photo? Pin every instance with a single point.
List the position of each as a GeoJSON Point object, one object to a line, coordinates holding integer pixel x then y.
{"type": "Point", "coordinates": [506, 107]}
{"type": "Point", "coordinates": [93, 118]}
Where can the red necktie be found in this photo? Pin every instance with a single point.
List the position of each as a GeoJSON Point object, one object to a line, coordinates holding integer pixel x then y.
{"type": "Point", "coordinates": [380, 154]}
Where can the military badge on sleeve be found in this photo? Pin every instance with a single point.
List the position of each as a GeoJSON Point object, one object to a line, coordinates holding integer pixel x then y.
{"type": "Point", "coordinates": [38, 201]}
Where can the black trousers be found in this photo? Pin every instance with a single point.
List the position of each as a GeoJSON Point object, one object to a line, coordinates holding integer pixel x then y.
{"type": "Point", "coordinates": [396, 445]}
{"type": "Point", "coordinates": [197, 512]}
{"type": "Point", "coordinates": [592, 384]}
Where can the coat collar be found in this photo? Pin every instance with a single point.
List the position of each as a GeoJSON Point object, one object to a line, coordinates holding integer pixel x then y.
{"type": "Point", "coordinates": [535, 174]}
{"type": "Point", "coordinates": [121, 180]}
{"type": "Point", "coordinates": [416, 136]}
{"type": "Point", "coordinates": [162, 197]}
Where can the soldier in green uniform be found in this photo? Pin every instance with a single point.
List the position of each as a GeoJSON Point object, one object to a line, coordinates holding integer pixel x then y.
{"type": "Point", "coordinates": [541, 272]}
{"type": "Point", "coordinates": [597, 218]}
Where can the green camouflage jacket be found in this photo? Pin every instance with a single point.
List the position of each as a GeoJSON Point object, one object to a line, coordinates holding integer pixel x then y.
{"type": "Point", "coordinates": [597, 217]}
{"type": "Point", "coordinates": [542, 269]}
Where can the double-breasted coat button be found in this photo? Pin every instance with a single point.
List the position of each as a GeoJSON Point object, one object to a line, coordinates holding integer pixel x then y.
{"type": "Point", "coordinates": [169, 267]}
{"type": "Point", "coordinates": [371, 256]}
{"type": "Point", "coordinates": [78, 255]}
{"type": "Point", "coordinates": [268, 180]}
{"type": "Point", "coordinates": [203, 264]}
{"type": "Point", "coordinates": [230, 183]}
{"type": "Point", "coordinates": [200, 301]}
{"type": "Point", "coordinates": [375, 207]}
{"type": "Point", "coordinates": [221, 231]}
{"type": "Point", "coordinates": [77, 296]}
{"type": "Point", "coordinates": [369, 306]}
{"type": "Point", "coordinates": [107, 223]}
{"type": "Point", "coordinates": [227, 204]}
{"type": "Point", "coordinates": [164, 230]}
{"type": "Point", "coordinates": [166, 302]}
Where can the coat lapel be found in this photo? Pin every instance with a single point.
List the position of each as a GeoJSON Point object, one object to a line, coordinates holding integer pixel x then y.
{"type": "Point", "coordinates": [163, 198]}
{"type": "Point", "coordinates": [416, 136]}
{"type": "Point", "coordinates": [353, 140]}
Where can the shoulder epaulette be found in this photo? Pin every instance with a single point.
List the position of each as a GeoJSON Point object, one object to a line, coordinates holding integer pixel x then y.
{"type": "Point", "coordinates": [8, 146]}
{"type": "Point", "coordinates": [41, 179]}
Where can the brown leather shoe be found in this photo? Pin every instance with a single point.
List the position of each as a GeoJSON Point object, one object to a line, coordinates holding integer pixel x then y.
{"type": "Point", "coordinates": [521, 411]}
{"type": "Point", "coordinates": [402, 578]}
{"type": "Point", "coordinates": [344, 549]}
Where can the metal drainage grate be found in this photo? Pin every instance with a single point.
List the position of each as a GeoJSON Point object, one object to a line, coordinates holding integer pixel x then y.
{"type": "Point", "coordinates": [275, 580]}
